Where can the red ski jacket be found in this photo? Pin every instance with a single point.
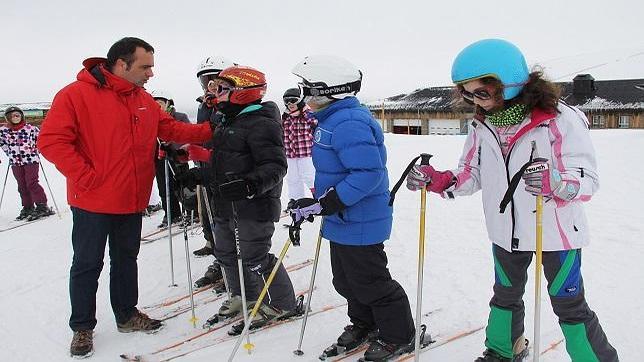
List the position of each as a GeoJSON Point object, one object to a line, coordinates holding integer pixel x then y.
{"type": "Point", "coordinates": [101, 133]}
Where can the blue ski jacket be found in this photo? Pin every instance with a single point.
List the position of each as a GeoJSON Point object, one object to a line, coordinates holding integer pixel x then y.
{"type": "Point", "coordinates": [349, 154]}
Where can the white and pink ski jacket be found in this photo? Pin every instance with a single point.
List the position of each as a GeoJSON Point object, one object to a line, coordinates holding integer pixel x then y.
{"type": "Point", "coordinates": [564, 140]}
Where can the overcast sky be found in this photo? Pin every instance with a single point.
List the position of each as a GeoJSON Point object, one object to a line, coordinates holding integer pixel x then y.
{"type": "Point", "coordinates": [399, 45]}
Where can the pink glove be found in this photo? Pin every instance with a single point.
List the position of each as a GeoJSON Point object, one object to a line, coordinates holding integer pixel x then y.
{"type": "Point", "coordinates": [426, 176]}
{"type": "Point", "coordinates": [197, 153]}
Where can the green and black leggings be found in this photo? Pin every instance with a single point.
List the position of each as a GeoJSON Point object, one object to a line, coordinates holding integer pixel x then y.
{"type": "Point", "coordinates": [585, 339]}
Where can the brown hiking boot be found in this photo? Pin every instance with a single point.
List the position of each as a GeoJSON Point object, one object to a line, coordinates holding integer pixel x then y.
{"type": "Point", "coordinates": [140, 323]}
{"type": "Point", "coordinates": [82, 344]}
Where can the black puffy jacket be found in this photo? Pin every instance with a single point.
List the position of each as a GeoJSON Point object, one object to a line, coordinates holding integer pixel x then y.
{"type": "Point", "coordinates": [250, 146]}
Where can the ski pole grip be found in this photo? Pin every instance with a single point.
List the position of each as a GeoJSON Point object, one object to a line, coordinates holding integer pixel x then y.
{"type": "Point", "coordinates": [424, 158]}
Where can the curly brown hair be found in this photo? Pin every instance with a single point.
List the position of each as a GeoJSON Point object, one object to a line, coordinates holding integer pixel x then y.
{"type": "Point", "coordinates": [537, 93]}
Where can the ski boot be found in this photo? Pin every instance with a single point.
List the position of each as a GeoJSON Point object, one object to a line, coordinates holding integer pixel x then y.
{"type": "Point", "coordinates": [25, 212]}
{"type": "Point", "coordinates": [354, 335]}
{"type": "Point", "coordinates": [520, 351]}
{"type": "Point", "coordinates": [41, 210]}
{"type": "Point", "coordinates": [267, 315]}
{"type": "Point", "coordinates": [230, 308]}
{"type": "Point", "coordinates": [212, 275]}
{"type": "Point", "coordinates": [380, 351]}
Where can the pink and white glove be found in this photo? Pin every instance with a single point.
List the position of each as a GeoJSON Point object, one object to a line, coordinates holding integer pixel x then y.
{"type": "Point", "coordinates": [541, 179]}
{"type": "Point", "coordinates": [426, 176]}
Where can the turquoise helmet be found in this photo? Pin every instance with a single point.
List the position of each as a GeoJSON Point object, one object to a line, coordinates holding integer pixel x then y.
{"type": "Point", "coordinates": [496, 58]}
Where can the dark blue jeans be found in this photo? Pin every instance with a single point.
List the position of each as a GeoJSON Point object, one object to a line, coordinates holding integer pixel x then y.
{"type": "Point", "coordinates": [89, 236]}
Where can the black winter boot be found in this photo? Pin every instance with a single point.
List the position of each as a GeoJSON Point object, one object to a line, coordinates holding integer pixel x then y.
{"type": "Point", "coordinates": [380, 350]}
{"type": "Point", "coordinates": [213, 275]}
{"type": "Point", "coordinates": [353, 336]}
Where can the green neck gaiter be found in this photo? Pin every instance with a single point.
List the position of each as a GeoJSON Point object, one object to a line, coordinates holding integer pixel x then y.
{"type": "Point", "coordinates": [508, 117]}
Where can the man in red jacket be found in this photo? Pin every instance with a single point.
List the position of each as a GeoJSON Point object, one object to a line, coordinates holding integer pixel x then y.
{"type": "Point", "coordinates": [101, 134]}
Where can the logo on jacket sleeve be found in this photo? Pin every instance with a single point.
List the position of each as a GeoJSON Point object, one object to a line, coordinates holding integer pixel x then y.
{"type": "Point", "coordinates": [322, 137]}
{"type": "Point", "coordinates": [318, 135]}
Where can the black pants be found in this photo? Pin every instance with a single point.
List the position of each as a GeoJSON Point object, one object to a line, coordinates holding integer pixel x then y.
{"type": "Point", "coordinates": [90, 233]}
{"type": "Point", "coordinates": [160, 176]}
{"type": "Point", "coordinates": [258, 262]}
{"type": "Point", "coordinates": [585, 339]}
{"type": "Point", "coordinates": [374, 299]}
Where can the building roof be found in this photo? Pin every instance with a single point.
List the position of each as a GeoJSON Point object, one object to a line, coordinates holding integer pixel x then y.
{"type": "Point", "coordinates": [602, 95]}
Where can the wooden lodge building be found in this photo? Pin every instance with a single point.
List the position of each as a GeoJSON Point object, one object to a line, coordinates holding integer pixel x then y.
{"type": "Point", "coordinates": [606, 103]}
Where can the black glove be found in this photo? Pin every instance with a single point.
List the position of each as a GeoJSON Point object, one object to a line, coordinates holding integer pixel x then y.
{"type": "Point", "coordinates": [173, 154]}
{"type": "Point", "coordinates": [304, 208]}
{"type": "Point", "coordinates": [237, 190]}
{"type": "Point", "coordinates": [190, 178]}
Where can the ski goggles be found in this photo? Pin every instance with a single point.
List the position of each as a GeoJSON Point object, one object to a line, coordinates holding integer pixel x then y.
{"type": "Point", "coordinates": [221, 89]}
{"type": "Point", "coordinates": [206, 79]}
{"type": "Point", "coordinates": [291, 100]}
{"type": "Point", "coordinates": [479, 93]}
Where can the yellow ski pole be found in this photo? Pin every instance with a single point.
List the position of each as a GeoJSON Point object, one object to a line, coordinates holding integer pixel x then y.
{"type": "Point", "coordinates": [537, 269]}
{"type": "Point", "coordinates": [424, 160]}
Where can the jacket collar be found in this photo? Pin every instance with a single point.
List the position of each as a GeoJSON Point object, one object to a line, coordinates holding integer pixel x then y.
{"type": "Point", "coordinates": [537, 117]}
{"type": "Point", "coordinates": [94, 72]}
{"type": "Point", "coordinates": [349, 102]}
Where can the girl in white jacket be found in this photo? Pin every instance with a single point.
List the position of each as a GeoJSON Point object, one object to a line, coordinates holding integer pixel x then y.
{"type": "Point", "coordinates": [520, 123]}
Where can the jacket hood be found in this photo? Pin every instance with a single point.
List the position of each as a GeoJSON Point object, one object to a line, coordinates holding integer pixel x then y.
{"type": "Point", "coordinates": [94, 72]}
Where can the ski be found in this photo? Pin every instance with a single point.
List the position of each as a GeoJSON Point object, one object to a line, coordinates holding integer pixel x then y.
{"type": "Point", "coordinates": [227, 338]}
{"type": "Point", "coordinates": [174, 300]}
{"type": "Point", "coordinates": [441, 342]}
{"type": "Point", "coordinates": [333, 354]}
{"type": "Point", "coordinates": [20, 224]}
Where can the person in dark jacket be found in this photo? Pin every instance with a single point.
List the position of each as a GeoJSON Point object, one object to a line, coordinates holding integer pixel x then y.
{"type": "Point", "coordinates": [247, 165]}
{"type": "Point", "coordinates": [101, 133]}
{"type": "Point", "coordinates": [352, 192]}
{"type": "Point", "coordinates": [165, 101]}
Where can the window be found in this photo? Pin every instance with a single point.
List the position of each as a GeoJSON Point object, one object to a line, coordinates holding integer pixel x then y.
{"type": "Point", "coordinates": [624, 122]}
{"type": "Point", "coordinates": [598, 121]}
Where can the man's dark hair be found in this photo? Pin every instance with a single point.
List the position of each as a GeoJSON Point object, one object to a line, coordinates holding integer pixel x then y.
{"type": "Point", "coordinates": [124, 49]}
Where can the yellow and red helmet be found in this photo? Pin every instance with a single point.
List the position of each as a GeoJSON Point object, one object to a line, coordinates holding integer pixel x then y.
{"type": "Point", "coordinates": [249, 84]}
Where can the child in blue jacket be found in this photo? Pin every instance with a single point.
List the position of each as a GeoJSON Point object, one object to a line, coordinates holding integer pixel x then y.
{"type": "Point", "coordinates": [352, 192]}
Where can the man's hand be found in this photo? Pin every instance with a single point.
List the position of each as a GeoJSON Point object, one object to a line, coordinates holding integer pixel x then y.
{"type": "Point", "coordinates": [237, 190]}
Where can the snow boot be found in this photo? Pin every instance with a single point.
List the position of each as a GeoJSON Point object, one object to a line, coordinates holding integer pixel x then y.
{"type": "Point", "coordinates": [205, 251]}
{"type": "Point", "coordinates": [520, 351]}
{"type": "Point", "coordinates": [82, 344]}
{"type": "Point", "coordinates": [41, 210]}
{"type": "Point", "coordinates": [213, 275]}
{"type": "Point", "coordinates": [140, 322]}
{"type": "Point", "coordinates": [25, 212]}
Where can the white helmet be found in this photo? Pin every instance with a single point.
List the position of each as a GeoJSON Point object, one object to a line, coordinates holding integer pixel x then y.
{"type": "Point", "coordinates": [328, 76]}
{"type": "Point", "coordinates": [213, 65]}
{"type": "Point", "coordinates": [158, 93]}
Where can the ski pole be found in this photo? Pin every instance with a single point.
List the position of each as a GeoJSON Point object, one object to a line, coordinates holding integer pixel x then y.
{"type": "Point", "coordinates": [185, 239]}
{"type": "Point", "coordinates": [240, 268]}
{"type": "Point", "coordinates": [298, 351]}
{"type": "Point", "coordinates": [424, 160]}
{"type": "Point", "coordinates": [212, 233]}
{"type": "Point", "coordinates": [249, 346]}
{"type": "Point", "coordinates": [537, 270]}
{"type": "Point", "coordinates": [4, 185]}
{"type": "Point", "coordinates": [53, 199]}
{"type": "Point", "coordinates": [168, 214]}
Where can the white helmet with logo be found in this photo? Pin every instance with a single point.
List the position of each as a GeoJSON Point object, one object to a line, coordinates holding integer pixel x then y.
{"type": "Point", "coordinates": [328, 76]}
{"type": "Point", "coordinates": [213, 65]}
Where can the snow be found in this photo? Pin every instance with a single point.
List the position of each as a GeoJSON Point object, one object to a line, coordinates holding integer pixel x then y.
{"type": "Point", "coordinates": [35, 261]}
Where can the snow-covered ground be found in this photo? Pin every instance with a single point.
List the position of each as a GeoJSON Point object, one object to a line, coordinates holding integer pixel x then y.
{"type": "Point", "coordinates": [35, 260]}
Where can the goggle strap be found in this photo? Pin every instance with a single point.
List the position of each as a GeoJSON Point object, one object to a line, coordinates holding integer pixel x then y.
{"type": "Point", "coordinates": [352, 87]}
